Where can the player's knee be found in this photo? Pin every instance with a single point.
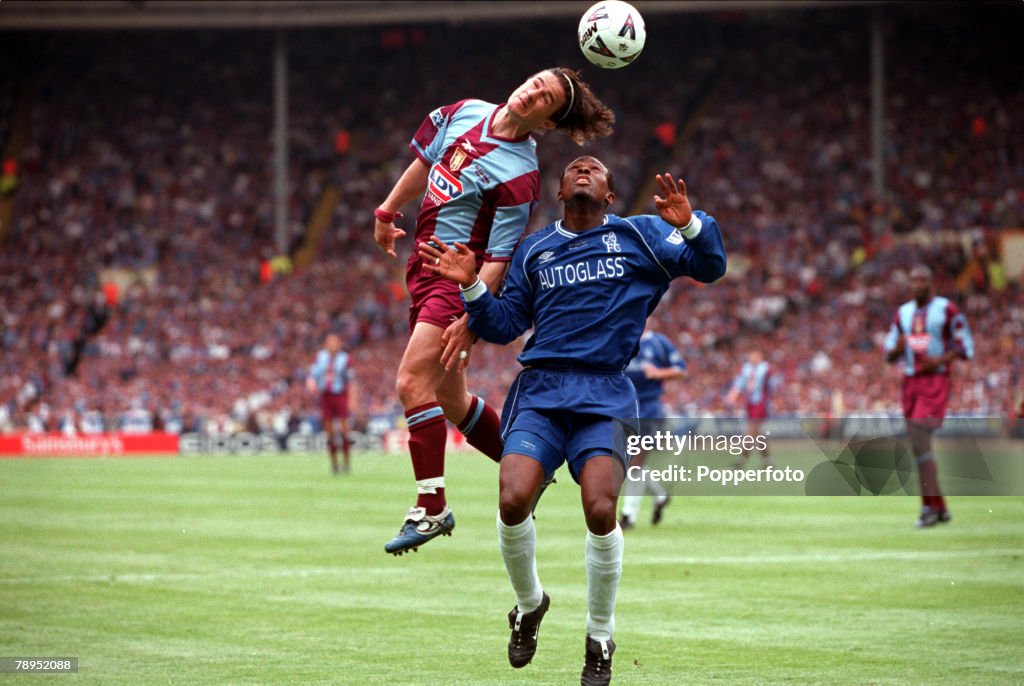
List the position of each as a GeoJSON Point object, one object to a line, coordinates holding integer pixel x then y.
{"type": "Point", "coordinates": [514, 503]}
{"type": "Point", "coordinates": [599, 511]}
{"type": "Point", "coordinates": [412, 390]}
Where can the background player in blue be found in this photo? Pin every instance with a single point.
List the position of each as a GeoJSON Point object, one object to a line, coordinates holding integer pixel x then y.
{"type": "Point", "coordinates": [476, 167]}
{"type": "Point", "coordinates": [656, 362]}
{"type": "Point", "coordinates": [586, 284]}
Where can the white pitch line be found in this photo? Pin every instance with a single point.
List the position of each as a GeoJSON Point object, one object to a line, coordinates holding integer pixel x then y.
{"type": "Point", "coordinates": [399, 570]}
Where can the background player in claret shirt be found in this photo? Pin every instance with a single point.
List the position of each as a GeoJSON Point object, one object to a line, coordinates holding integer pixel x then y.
{"type": "Point", "coordinates": [656, 362]}
{"type": "Point", "coordinates": [754, 384]}
{"type": "Point", "coordinates": [476, 167]}
{"type": "Point", "coordinates": [586, 285]}
{"type": "Point", "coordinates": [927, 334]}
{"type": "Point", "coordinates": [331, 377]}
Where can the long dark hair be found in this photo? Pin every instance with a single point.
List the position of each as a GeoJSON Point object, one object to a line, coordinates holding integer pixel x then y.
{"type": "Point", "coordinates": [583, 117]}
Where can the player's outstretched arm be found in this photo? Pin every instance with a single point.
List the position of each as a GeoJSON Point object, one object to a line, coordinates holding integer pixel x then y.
{"type": "Point", "coordinates": [497, 320]}
{"type": "Point", "coordinates": [702, 257]}
{"type": "Point", "coordinates": [412, 184]}
{"type": "Point", "coordinates": [663, 373]}
{"type": "Point", "coordinates": [457, 339]}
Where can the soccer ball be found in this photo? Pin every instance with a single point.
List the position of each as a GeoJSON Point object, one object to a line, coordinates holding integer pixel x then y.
{"type": "Point", "coordinates": [611, 34]}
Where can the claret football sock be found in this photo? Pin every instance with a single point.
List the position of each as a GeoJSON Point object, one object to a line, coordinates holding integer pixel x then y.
{"type": "Point", "coordinates": [482, 429]}
{"type": "Point", "coordinates": [928, 474]}
{"type": "Point", "coordinates": [427, 437]}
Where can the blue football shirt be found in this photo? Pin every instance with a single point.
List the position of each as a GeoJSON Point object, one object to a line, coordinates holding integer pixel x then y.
{"type": "Point", "coordinates": [657, 350]}
{"type": "Point", "coordinates": [587, 295]}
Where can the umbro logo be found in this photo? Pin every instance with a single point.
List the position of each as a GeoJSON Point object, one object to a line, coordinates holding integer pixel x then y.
{"type": "Point", "coordinates": [545, 256]}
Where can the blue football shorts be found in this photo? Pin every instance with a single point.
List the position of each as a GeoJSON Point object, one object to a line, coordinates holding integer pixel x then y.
{"type": "Point", "coordinates": [558, 416]}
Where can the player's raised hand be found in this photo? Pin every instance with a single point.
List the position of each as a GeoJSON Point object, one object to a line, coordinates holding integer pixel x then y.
{"type": "Point", "coordinates": [385, 233]}
{"type": "Point", "coordinates": [458, 265]}
{"type": "Point", "coordinates": [675, 206]}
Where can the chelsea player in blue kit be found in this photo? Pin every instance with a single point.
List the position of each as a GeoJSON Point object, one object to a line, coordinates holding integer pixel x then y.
{"type": "Point", "coordinates": [586, 284]}
{"type": "Point", "coordinates": [656, 362]}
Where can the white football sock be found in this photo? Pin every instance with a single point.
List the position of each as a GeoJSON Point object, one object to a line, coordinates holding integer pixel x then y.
{"type": "Point", "coordinates": [518, 544]}
{"type": "Point", "coordinates": [657, 490]}
{"type": "Point", "coordinates": [604, 567]}
{"type": "Point", "coordinates": [630, 506]}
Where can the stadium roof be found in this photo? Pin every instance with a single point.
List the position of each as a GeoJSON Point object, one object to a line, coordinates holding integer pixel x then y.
{"type": "Point", "coordinates": [249, 14]}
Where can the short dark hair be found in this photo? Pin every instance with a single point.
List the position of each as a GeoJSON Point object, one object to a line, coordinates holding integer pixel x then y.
{"type": "Point", "coordinates": [610, 176]}
{"type": "Point", "coordinates": [583, 117]}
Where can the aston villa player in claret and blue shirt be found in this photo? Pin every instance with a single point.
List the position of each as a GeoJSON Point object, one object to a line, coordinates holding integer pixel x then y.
{"type": "Point", "coordinates": [476, 167]}
{"type": "Point", "coordinates": [927, 334]}
{"type": "Point", "coordinates": [586, 284]}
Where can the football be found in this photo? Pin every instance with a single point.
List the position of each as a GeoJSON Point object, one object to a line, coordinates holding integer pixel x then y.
{"type": "Point", "coordinates": [611, 34]}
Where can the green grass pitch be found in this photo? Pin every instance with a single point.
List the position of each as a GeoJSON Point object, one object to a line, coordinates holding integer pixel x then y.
{"type": "Point", "coordinates": [266, 570]}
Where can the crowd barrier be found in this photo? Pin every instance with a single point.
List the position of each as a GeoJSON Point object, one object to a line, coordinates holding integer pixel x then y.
{"type": "Point", "coordinates": [394, 441]}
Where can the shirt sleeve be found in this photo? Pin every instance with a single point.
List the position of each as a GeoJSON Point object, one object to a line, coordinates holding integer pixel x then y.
{"type": "Point", "coordinates": [514, 202]}
{"type": "Point", "coordinates": [701, 257]}
{"type": "Point", "coordinates": [503, 319]}
{"type": "Point", "coordinates": [963, 342]}
{"type": "Point", "coordinates": [316, 370]}
{"type": "Point", "coordinates": [428, 141]}
{"type": "Point", "coordinates": [894, 333]}
{"type": "Point", "coordinates": [740, 382]}
{"type": "Point", "coordinates": [671, 356]}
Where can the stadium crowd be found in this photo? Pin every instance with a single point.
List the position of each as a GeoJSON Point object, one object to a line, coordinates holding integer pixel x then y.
{"type": "Point", "coordinates": [131, 289]}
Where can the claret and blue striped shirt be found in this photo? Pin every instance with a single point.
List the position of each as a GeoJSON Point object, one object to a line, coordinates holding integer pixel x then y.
{"type": "Point", "coordinates": [481, 187]}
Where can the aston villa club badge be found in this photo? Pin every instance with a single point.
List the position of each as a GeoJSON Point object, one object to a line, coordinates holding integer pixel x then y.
{"type": "Point", "coordinates": [458, 157]}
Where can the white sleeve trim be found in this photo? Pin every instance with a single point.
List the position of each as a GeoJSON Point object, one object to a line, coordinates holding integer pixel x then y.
{"type": "Point", "coordinates": [475, 291]}
{"type": "Point", "coordinates": [691, 230]}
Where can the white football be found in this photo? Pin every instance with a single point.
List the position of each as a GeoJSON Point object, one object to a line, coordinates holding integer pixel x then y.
{"type": "Point", "coordinates": [611, 34]}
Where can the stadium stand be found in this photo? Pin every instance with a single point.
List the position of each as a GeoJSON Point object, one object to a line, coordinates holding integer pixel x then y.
{"type": "Point", "coordinates": [131, 287]}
